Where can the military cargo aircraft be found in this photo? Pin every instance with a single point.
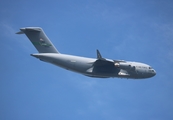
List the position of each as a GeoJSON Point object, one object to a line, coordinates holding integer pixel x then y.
{"type": "Point", "coordinates": [99, 67]}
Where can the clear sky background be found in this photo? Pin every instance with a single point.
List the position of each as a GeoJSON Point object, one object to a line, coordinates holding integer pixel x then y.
{"type": "Point", "coordinates": [134, 30]}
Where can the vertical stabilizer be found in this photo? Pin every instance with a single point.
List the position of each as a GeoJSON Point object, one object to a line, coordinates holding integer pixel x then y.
{"type": "Point", "coordinates": [39, 39]}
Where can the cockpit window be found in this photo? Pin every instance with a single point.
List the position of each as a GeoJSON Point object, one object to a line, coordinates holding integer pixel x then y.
{"type": "Point", "coordinates": [150, 67]}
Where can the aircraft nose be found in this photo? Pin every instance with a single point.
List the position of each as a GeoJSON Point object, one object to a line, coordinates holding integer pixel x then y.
{"type": "Point", "coordinates": [154, 72]}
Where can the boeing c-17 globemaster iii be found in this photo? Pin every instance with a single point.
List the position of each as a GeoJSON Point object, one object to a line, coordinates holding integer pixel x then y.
{"type": "Point", "coordinates": [93, 67]}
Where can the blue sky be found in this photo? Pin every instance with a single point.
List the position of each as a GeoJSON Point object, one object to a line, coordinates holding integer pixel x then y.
{"type": "Point", "coordinates": [130, 30]}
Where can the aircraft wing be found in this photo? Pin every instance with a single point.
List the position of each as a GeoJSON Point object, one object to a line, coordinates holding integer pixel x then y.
{"type": "Point", "coordinates": [102, 61]}
{"type": "Point", "coordinates": [102, 66]}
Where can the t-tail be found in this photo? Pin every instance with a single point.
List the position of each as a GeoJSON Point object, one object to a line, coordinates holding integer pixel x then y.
{"type": "Point", "coordinates": [39, 39]}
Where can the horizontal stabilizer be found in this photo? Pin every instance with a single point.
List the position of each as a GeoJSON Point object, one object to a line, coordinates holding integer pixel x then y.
{"type": "Point", "coordinates": [20, 32]}
{"type": "Point", "coordinates": [36, 29]}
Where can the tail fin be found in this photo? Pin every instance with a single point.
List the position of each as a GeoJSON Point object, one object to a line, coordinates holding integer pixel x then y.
{"type": "Point", "coordinates": [39, 39]}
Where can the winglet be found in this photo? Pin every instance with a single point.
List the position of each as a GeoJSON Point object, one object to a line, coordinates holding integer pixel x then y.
{"type": "Point", "coordinates": [99, 56]}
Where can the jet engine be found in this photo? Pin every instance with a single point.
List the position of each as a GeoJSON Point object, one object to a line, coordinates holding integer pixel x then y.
{"type": "Point", "coordinates": [123, 65]}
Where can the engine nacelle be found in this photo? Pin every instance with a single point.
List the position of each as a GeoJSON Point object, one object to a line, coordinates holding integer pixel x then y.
{"type": "Point", "coordinates": [123, 65]}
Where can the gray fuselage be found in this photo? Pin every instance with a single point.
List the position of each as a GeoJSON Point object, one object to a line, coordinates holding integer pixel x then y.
{"type": "Point", "coordinates": [86, 66]}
